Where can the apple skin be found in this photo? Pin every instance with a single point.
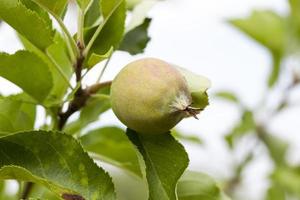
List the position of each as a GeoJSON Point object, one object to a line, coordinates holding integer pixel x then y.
{"type": "Point", "coordinates": [150, 96]}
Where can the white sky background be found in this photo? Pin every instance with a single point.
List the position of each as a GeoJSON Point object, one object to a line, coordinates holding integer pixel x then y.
{"type": "Point", "coordinates": [194, 34]}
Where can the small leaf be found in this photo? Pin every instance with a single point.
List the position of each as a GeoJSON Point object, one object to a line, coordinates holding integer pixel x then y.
{"type": "Point", "coordinates": [139, 14]}
{"type": "Point", "coordinates": [288, 178]}
{"type": "Point", "coordinates": [245, 125]}
{"type": "Point", "coordinates": [27, 23]}
{"type": "Point", "coordinates": [198, 85]}
{"type": "Point", "coordinates": [107, 6]}
{"type": "Point", "coordinates": [112, 146]}
{"type": "Point", "coordinates": [200, 100]}
{"type": "Point", "coordinates": [275, 72]}
{"type": "Point", "coordinates": [277, 147]}
{"type": "Point", "coordinates": [269, 29]}
{"type": "Point", "coordinates": [112, 33]}
{"type": "Point", "coordinates": [5, 125]}
{"type": "Point", "coordinates": [266, 27]}
{"type": "Point", "coordinates": [36, 8]}
{"type": "Point", "coordinates": [189, 138]}
{"type": "Point", "coordinates": [132, 3]}
{"type": "Point", "coordinates": [93, 14]}
{"type": "Point", "coordinates": [56, 161]}
{"type": "Point", "coordinates": [295, 14]}
{"type": "Point", "coordinates": [95, 58]}
{"type": "Point", "coordinates": [27, 71]}
{"type": "Point", "coordinates": [275, 192]}
{"type": "Point", "coordinates": [57, 7]}
{"type": "Point", "coordinates": [165, 161]}
{"type": "Point", "coordinates": [227, 95]}
{"type": "Point", "coordinates": [57, 51]}
{"type": "Point", "coordinates": [17, 112]}
{"type": "Point", "coordinates": [2, 187]}
{"type": "Point", "coordinates": [84, 4]}
{"type": "Point", "coordinates": [198, 186]}
{"type": "Point", "coordinates": [96, 105]}
{"type": "Point", "coordinates": [135, 41]}
{"type": "Point", "coordinates": [38, 191]}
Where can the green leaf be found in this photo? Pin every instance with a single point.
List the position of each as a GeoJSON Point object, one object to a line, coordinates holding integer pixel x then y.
{"type": "Point", "coordinates": [27, 71]}
{"type": "Point", "coordinates": [95, 58]}
{"type": "Point", "coordinates": [139, 14]}
{"type": "Point", "coordinates": [266, 27]}
{"type": "Point", "coordinates": [269, 29]}
{"type": "Point", "coordinates": [84, 4]}
{"type": "Point", "coordinates": [36, 8]}
{"type": "Point", "coordinates": [27, 23]}
{"type": "Point", "coordinates": [112, 146]}
{"type": "Point", "coordinates": [132, 3]}
{"type": "Point", "coordinates": [96, 105]}
{"type": "Point", "coordinates": [189, 138]}
{"type": "Point", "coordinates": [295, 8]}
{"type": "Point", "coordinates": [136, 40]}
{"type": "Point", "coordinates": [245, 125]}
{"type": "Point", "coordinates": [112, 33]}
{"type": "Point", "coordinates": [198, 85]}
{"type": "Point", "coordinates": [198, 186]}
{"type": "Point", "coordinates": [288, 178]}
{"type": "Point", "coordinates": [227, 95]}
{"type": "Point", "coordinates": [57, 51]}
{"type": "Point", "coordinates": [200, 100]}
{"type": "Point", "coordinates": [57, 7]}
{"type": "Point", "coordinates": [17, 112]}
{"type": "Point", "coordinates": [5, 125]}
{"type": "Point", "coordinates": [275, 192]}
{"type": "Point", "coordinates": [42, 193]}
{"type": "Point", "coordinates": [56, 161]}
{"type": "Point", "coordinates": [295, 14]}
{"type": "Point", "coordinates": [277, 147]}
{"type": "Point", "coordinates": [2, 187]}
{"type": "Point", "coordinates": [275, 72]}
{"type": "Point", "coordinates": [107, 6]}
{"type": "Point", "coordinates": [93, 14]}
{"type": "Point", "coordinates": [165, 161]}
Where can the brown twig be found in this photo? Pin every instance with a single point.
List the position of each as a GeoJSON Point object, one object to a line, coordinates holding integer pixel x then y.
{"type": "Point", "coordinates": [72, 197]}
{"type": "Point", "coordinates": [284, 101]}
{"type": "Point", "coordinates": [80, 97]}
{"type": "Point", "coordinates": [79, 101]}
{"type": "Point", "coordinates": [97, 86]}
{"type": "Point", "coordinates": [261, 132]}
{"type": "Point", "coordinates": [237, 178]}
{"type": "Point", "coordinates": [27, 190]}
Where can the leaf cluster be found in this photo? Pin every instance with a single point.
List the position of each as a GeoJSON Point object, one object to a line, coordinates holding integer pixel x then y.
{"type": "Point", "coordinates": [60, 155]}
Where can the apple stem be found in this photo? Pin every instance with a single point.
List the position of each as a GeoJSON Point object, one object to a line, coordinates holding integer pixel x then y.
{"type": "Point", "coordinates": [192, 111]}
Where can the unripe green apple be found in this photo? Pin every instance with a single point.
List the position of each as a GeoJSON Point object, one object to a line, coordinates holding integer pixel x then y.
{"type": "Point", "coordinates": [151, 96]}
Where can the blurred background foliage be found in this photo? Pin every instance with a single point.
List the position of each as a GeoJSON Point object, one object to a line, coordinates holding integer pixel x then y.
{"type": "Point", "coordinates": [280, 35]}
